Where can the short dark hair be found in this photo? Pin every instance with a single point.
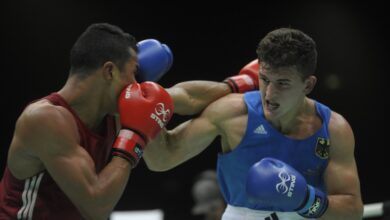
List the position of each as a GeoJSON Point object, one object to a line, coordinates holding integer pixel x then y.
{"type": "Point", "coordinates": [285, 47]}
{"type": "Point", "coordinates": [100, 42]}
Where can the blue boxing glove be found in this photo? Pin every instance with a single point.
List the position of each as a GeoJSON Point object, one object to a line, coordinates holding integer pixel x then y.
{"type": "Point", "coordinates": [154, 59]}
{"type": "Point", "coordinates": [275, 183]}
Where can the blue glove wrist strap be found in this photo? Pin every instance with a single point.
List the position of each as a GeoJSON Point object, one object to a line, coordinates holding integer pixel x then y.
{"type": "Point", "coordinates": [309, 201]}
{"type": "Point", "coordinates": [316, 204]}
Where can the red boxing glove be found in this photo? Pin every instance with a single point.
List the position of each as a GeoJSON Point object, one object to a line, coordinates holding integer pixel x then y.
{"type": "Point", "coordinates": [144, 110]}
{"type": "Point", "coordinates": [246, 80]}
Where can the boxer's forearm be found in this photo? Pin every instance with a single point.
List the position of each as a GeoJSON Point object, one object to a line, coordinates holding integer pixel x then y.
{"type": "Point", "coordinates": [192, 97]}
{"type": "Point", "coordinates": [344, 207]}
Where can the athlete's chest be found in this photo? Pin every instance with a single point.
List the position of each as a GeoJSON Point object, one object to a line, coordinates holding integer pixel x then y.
{"type": "Point", "coordinates": [302, 130]}
{"type": "Point", "coordinates": [235, 130]}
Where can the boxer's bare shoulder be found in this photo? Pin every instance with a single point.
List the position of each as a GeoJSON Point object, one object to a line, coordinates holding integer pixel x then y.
{"type": "Point", "coordinates": [32, 135]}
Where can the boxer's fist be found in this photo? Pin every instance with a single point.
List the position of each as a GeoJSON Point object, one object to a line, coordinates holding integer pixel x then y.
{"type": "Point", "coordinates": [154, 58]}
{"type": "Point", "coordinates": [246, 80]}
{"type": "Point", "coordinates": [275, 183]}
{"type": "Point", "coordinates": [144, 110]}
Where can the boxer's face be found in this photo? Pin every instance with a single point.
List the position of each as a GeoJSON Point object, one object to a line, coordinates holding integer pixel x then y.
{"type": "Point", "coordinates": [122, 78]}
{"type": "Point", "coordinates": [129, 69]}
{"type": "Point", "coordinates": [282, 90]}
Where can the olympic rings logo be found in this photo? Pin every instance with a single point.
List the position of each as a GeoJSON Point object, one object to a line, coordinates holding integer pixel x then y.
{"type": "Point", "coordinates": [282, 186]}
{"type": "Point", "coordinates": [160, 110]}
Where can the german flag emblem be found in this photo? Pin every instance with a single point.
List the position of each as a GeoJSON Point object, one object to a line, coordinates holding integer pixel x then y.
{"type": "Point", "coordinates": [322, 148]}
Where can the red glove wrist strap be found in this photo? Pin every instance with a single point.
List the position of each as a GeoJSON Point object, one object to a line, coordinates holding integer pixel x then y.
{"type": "Point", "coordinates": [129, 145]}
{"type": "Point", "coordinates": [240, 83]}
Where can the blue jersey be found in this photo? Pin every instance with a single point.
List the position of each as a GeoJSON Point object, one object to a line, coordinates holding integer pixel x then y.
{"type": "Point", "coordinates": [308, 156]}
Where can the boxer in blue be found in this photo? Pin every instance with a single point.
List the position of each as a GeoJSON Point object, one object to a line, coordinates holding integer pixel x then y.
{"type": "Point", "coordinates": [284, 155]}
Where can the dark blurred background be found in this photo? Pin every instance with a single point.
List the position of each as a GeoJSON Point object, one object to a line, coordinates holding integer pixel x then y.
{"type": "Point", "coordinates": [208, 42]}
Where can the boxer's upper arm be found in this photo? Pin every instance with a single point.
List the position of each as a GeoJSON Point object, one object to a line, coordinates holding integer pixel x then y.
{"type": "Point", "coordinates": [342, 165]}
{"type": "Point", "coordinates": [52, 136]}
{"type": "Point", "coordinates": [341, 176]}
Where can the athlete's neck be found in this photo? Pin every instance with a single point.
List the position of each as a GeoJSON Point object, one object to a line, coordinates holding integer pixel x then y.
{"type": "Point", "coordinates": [86, 98]}
{"type": "Point", "coordinates": [288, 123]}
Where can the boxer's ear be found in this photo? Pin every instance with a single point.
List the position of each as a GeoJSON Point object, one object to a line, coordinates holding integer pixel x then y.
{"type": "Point", "coordinates": [310, 82]}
